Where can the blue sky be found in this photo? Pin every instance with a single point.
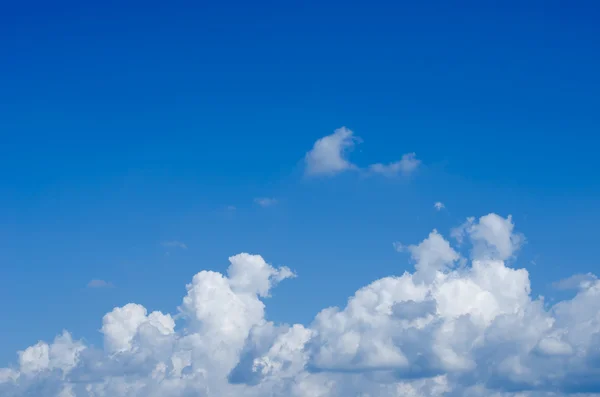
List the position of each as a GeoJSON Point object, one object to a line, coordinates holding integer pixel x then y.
{"type": "Point", "coordinates": [126, 127]}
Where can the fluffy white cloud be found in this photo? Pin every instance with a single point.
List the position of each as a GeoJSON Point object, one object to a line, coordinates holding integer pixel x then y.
{"type": "Point", "coordinates": [439, 206]}
{"type": "Point", "coordinates": [432, 255]}
{"type": "Point", "coordinates": [123, 324]}
{"type": "Point", "coordinates": [492, 237]}
{"type": "Point", "coordinates": [329, 157]}
{"type": "Point", "coordinates": [446, 329]}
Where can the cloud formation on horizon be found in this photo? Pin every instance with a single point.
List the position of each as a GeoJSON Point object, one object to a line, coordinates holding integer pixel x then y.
{"type": "Point", "coordinates": [452, 327]}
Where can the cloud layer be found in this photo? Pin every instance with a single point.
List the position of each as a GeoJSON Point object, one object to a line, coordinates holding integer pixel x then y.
{"type": "Point", "coordinates": [452, 327]}
{"type": "Point", "coordinates": [329, 156]}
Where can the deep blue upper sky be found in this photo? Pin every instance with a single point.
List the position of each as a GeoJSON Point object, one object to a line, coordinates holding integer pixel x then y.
{"type": "Point", "coordinates": [126, 125]}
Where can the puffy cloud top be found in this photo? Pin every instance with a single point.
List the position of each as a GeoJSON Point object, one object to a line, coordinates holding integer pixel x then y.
{"type": "Point", "coordinates": [446, 329]}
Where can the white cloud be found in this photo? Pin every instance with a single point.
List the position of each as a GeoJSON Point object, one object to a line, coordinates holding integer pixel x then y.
{"type": "Point", "coordinates": [576, 281]}
{"type": "Point", "coordinates": [328, 155]}
{"type": "Point", "coordinates": [439, 206]}
{"type": "Point", "coordinates": [265, 201]}
{"type": "Point", "coordinates": [122, 324]}
{"type": "Point", "coordinates": [492, 237]}
{"type": "Point", "coordinates": [433, 255]}
{"type": "Point", "coordinates": [174, 244]}
{"type": "Point", "coordinates": [61, 355]}
{"type": "Point", "coordinates": [443, 330]}
{"type": "Point", "coordinates": [405, 166]}
{"type": "Point", "coordinates": [97, 283]}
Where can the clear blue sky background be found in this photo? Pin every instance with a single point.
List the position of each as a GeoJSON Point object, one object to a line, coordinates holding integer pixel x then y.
{"type": "Point", "coordinates": [126, 125]}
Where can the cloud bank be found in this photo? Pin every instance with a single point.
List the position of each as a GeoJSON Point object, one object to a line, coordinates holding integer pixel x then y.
{"type": "Point", "coordinates": [329, 156]}
{"type": "Point", "coordinates": [452, 327]}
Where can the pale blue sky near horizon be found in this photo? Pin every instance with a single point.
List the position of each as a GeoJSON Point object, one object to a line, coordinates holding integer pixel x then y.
{"type": "Point", "coordinates": [125, 127]}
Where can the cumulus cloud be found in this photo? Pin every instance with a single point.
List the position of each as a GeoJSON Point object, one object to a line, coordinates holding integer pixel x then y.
{"type": "Point", "coordinates": [432, 255]}
{"type": "Point", "coordinates": [329, 156]}
{"type": "Point", "coordinates": [492, 237]}
{"type": "Point", "coordinates": [442, 330]}
{"type": "Point", "coordinates": [174, 244]}
{"type": "Point", "coordinates": [439, 206]}
{"type": "Point", "coordinates": [265, 201]}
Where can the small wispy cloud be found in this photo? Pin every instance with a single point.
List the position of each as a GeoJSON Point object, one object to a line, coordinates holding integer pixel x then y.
{"type": "Point", "coordinates": [265, 201]}
{"type": "Point", "coordinates": [405, 166]}
{"type": "Point", "coordinates": [174, 244]}
{"type": "Point", "coordinates": [230, 208]}
{"type": "Point", "coordinates": [576, 281]}
{"type": "Point", "coordinates": [96, 283]}
{"type": "Point", "coordinates": [398, 246]}
{"type": "Point", "coordinates": [439, 206]}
